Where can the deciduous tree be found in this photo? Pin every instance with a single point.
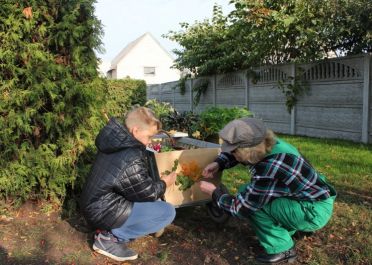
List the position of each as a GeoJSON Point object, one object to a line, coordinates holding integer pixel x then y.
{"type": "Point", "coordinates": [273, 31]}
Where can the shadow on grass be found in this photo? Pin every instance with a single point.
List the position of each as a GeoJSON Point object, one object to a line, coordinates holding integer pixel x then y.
{"type": "Point", "coordinates": [352, 195]}
{"type": "Point", "coordinates": [36, 259]}
{"type": "Point", "coordinates": [71, 214]}
{"type": "Point", "coordinates": [233, 239]}
{"type": "Point", "coordinates": [77, 222]}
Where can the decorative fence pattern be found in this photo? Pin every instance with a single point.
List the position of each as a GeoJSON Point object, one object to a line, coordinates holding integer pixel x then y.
{"type": "Point", "coordinates": [337, 104]}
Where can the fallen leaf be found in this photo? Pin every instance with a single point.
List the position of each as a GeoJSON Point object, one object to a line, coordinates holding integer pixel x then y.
{"type": "Point", "coordinates": [27, 12]}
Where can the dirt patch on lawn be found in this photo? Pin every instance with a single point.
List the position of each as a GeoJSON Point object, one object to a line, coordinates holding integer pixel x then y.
{"type": "Point", "coordinates": [29, 236]}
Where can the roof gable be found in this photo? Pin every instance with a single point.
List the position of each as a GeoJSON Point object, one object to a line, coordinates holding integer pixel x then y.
{"type": "Point", "coordinates": [130, 47]}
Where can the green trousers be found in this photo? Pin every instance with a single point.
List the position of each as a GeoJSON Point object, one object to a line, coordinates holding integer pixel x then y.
{"type": "Point", "coordinates": [277, 221]}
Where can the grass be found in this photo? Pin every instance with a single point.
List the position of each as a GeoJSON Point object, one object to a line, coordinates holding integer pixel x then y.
{"type": "Point", "coordinates": [347, 239]}
{"type": "Point", "coordinates": [35, 235]}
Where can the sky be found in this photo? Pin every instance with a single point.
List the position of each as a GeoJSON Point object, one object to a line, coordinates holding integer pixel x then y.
{"type": "Point", "coordinates": [126, 20]}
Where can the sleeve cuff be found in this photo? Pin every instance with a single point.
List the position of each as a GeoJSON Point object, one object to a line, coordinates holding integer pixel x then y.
{"type": "Point", "coordinates": [218, 192]}
{"type": "Point", "coordinates": [163, 186]}
{"type": "Point", "coordinates": [221, 164]}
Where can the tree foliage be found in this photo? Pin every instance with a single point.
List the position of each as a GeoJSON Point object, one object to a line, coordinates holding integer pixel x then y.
{"type": "Point", "coordinates": [50, 95]}
{"type": "Point", "coordinates": [206, 45]}
{"type": "Point", "coordinates": [273, 31]}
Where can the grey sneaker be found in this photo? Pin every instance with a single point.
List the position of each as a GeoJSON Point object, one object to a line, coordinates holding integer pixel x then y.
{"type": "Point", "coordinates": [107, 244]}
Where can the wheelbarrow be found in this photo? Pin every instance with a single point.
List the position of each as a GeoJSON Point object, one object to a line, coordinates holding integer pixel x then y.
{"type": "Point", "coordinates": [188, 150]}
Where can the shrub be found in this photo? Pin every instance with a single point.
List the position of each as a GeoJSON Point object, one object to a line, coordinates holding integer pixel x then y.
{"type": "Point", "coordinates": [124, 93]}
{"type": "Point", "coordinates": [213, 119]}
{"type": "Point", "coordinates": [161, 109]}
{"type": "Point", "coordinates": [181, 121]}
{"type": "Point", "coordinates": [50, 96]}
{"type": "Point", "coordinates": [172, 119]}
{"type": "Point", "coordinates": [202, 126]}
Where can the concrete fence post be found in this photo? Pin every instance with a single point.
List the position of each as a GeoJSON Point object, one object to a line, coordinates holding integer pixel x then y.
{"type": "Point", "coordinates": [191, 95]}
{"type": "Point", "coordinates": [246, 91]}
{"type": "Point", "coordinates": [293, 110]}
{"type": "Point", "coordinates": [160, 93]}
{"type": "Point", "coordinates": [214, 87]}
{"type": "Point", "coordinates": [366, 97]}
{"type": "Point", "coordinates": [174, 97]}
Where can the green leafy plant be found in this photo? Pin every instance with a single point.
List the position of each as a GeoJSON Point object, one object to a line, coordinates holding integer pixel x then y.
{"type": "Point", "coordinates": [253, 76]}
{"type": "Point", "coordinates": [199, 90]}
{"type": "Point", "coordinates": [174, 168]}
{"type": "Point", "coordinates": [166, 148]}
{"type": "Point", "coordinates": [189, 174]}
{"type": "Point", "coordinates": [213, 119]}
{"type": "Point", "coordinates": [161, 109]}
{"type": "Point", "coordinates": [180, 121]}
{"type": "Point", "coordinates": [182, 83]}
{"type": "Point", "coordinates": [163, 256]}
{"type": "Point", "coordinates": [184, 182]}
{"type": "Point", "coordinates": [292, 88]}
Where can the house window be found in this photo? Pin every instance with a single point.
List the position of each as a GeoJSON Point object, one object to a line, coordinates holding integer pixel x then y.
{"type": "Point", "coordinates": [149, 70]}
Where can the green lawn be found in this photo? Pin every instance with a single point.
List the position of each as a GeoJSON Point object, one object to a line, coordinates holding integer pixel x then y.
{"type": "Point", "coordinates": [34, 234]}
{"type": "Point", "coordinates": [347, 239]}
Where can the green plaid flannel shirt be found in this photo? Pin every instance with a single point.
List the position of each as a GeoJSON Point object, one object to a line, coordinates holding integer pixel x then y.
{"type": "Point", "coordinates": [277, 175]}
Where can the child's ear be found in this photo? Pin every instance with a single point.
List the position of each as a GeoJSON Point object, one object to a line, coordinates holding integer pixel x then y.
{"type": "Point", "coordinates": [134, 130]}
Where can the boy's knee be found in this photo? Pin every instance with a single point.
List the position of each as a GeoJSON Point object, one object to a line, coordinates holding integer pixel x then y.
{"type": "Point", "coordinates": [170, 211]}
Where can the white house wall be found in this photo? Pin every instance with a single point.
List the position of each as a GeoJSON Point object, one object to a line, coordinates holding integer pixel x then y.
{"type": "Point", "coordinates": [147, 53]}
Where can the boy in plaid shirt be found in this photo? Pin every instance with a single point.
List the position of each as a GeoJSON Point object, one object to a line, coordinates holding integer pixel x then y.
{"type": "Point", "coordinates": [286, 194]}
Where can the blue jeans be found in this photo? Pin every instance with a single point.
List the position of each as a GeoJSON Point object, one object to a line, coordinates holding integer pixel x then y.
{"type": "Point", "coordinates": [145, 218]}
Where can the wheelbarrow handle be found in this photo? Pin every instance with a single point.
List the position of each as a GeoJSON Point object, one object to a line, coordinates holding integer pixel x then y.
{"type": "Point", "coordinates": [172, 141]}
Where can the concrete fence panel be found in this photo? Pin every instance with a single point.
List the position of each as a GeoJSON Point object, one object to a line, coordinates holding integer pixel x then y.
{"type": "Point", "coordinates": [336, 105]}
{"type": "Point", "coordinates": [230, 90]}
{"type": "Point", "coordinates": [266, 100]}
{"type": "Point", "coordinates": [333, 105]}
{"type": "Point", "coordinates": [183, 101]}
{"type": "Point", "coordinates": [152, 92]}
{"type": "Point", "coordinates": [167, 92]}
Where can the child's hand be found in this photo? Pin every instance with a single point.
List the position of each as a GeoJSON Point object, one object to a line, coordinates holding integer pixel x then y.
{"type": "Point", "coordinates": [210, 170]}
{"type": "Point", "coordinates": [207, 187]}
{"type": "Point", "coordinates": [169, 179]}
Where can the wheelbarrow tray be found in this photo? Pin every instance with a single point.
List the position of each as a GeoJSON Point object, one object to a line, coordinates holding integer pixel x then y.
{"type": "Point", "coordinates": [193, 195]}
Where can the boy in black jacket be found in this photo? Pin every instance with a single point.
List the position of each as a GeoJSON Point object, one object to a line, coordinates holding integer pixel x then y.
{"type": "Point", "coordinates": [119, 195]}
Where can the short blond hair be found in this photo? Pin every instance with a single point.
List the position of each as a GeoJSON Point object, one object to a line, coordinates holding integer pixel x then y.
{"type": "Point", "coordinates": [258, 152]}
{"type": "Point", "coordinates": [142, 117]}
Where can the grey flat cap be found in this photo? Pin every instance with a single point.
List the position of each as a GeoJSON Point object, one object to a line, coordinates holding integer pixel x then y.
{"type": "Point", "coordinates": [240, 133]}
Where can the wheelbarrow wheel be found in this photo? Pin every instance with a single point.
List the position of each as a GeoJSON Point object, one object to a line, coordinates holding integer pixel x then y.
{"type": "Point", "coordinates": [217, 214]}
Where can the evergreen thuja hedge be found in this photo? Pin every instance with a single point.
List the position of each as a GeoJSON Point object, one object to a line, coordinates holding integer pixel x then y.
{"type": "Point", "coordinates": [50, 96]}
{"type": "Point", "coordinates": [123, 94]}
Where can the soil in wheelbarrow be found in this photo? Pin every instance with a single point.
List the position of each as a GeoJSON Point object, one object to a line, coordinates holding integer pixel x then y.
{"type": "Point", "coordinates": [34, 235]}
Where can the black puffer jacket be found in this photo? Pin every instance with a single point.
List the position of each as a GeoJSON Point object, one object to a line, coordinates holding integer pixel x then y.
{"type": "Point", "coordinates": [118, 178]}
